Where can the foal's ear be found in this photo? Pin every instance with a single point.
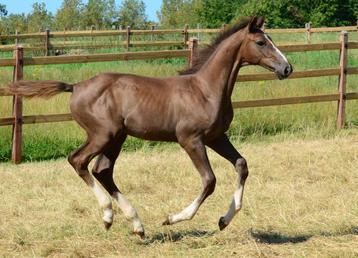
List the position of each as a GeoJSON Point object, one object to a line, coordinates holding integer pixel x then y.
{"type": "Point", "coordinates": [252, 24]}
{"type": "Point", "coordinates": [260, 22]}
{"type": "Point", "coordinates": [256, 23]}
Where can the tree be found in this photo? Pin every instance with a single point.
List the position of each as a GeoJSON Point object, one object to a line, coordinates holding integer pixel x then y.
{"type": "Point", "coordinates": [3, 11]}
{"type": "Point", "coordinates": [100, 13]}
{"type": "Point", "coordinates": [110, 13]}
{"type": "Point", "coordinates": [214, 13]}
{"type": "Point", "coordinates": [334, 13]}
{"type": "Point", "coordinates": [15, 22]}
{"type": "Point", "coordinates": [39, 19]}
{"type": "Point", "coordinates": [295, 13]}
{"type": "Point", "coordinates": [175, 13]}
{"type": "Point", "coordinates": [132, 13]}
{"type": "Point", "coordinates": [69, 15]}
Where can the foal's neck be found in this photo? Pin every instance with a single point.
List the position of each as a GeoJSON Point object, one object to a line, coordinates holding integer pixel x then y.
{"type": "Point", "coordinates": [220, 71]}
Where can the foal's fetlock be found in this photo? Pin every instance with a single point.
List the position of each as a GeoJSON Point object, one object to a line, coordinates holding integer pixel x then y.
{"type": "Point", "coordinates": [108, 217]}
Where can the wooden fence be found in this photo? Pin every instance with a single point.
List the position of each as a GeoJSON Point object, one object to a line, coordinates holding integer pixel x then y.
{"type": "Point", "coordinates": [19, 61]}
{"type": "Point", "coordinates": [124, 37]}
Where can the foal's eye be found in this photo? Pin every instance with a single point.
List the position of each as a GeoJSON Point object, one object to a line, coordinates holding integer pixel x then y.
{"type": "Point", "coordinates": [261, 43]}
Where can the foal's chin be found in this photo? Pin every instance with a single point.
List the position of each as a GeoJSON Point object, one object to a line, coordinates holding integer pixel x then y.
{"type": "Point", "coordinates": [281, 76]}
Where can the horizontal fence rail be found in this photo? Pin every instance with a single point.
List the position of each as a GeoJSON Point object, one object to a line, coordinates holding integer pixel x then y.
{"type": "Point", "coordinates": [107, 33]}
{"type": "Point", "coordinates": [17, 120]}
{"type": "Point", "coordinates": [241, 104]}
{"type": "Point", "coordinates": [159, 54]}
{"type": "Point", "coordinates": [124, 37]}
{"type": "Point", "coordinates": [91, 45]}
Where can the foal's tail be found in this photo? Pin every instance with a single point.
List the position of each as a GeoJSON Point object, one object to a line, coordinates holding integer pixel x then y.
{"type": "Point", "coordinates": [42, 89]}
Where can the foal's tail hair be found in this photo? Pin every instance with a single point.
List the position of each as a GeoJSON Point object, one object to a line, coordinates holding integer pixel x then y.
{"type": "Point", "coordinates": [42, 89]}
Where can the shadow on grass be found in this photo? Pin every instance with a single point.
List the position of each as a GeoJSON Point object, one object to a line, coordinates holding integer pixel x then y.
{"type": "Point", "coordinates": [177, 236]}
{"type": "Point", "coordinates": [278, 238]}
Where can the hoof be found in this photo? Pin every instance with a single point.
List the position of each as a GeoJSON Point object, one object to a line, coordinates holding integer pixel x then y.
{"type": "Point", "coordinates": [222, 224]}
{"type": "Point", "coordinates": [107, 225]}
{"type": "Point", "coordinates": [141, 234]}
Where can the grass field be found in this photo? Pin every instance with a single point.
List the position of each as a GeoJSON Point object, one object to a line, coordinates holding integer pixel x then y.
{"type": "Point", "coordinates": [300, 201]}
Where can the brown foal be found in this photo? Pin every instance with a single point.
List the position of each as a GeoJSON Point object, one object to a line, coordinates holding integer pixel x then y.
{"type": "Point", "coordinates": [193, 109]}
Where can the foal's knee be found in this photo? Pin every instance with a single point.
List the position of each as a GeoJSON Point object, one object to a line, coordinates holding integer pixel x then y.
{"type": "Point", "coordinates": [241, 168]}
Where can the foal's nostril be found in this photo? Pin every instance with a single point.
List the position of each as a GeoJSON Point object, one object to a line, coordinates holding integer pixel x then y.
{"type": "Point", "coordinates": [287, 70]}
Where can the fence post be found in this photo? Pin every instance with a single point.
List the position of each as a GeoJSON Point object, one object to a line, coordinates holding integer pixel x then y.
{"type": "Point", "coordinates": [128, 37]}
{"type": "Point", "coordinates": [16, 39]}
{"type": "Point", "coordinates": [47, 42]}
{"type": "Point", "coordinates": [92, 29]}
{"type": "Point", "coordinates": [152, 35]}
{"type": "Point", "coordinates": [198, 34]}
{"type": "Point", "coordinates": [342, 80]}
{"type": "Point", "coordinates": [186, 35]}
{"type": "Point", "coordinates": [308, 32]}
{"type": "Point", "coordinates": [120, 37]}
{"type": "Point", "coordinates": [193, 47]}
{"type": "Point", "coordinates": [17, 107]}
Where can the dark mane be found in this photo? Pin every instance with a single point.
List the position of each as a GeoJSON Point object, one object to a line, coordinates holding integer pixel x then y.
{"type": "Point", "coordinates": [205, 53]}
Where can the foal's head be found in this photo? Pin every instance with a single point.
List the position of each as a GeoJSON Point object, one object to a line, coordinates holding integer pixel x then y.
{"type": "Point", "coordinates": [258, 49]}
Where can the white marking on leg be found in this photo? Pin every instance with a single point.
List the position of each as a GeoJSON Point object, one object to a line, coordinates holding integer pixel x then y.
{"type": "Point", "coordinates": [104, 201]}
{"type": "Point", "coordinates": [186, 214]}
{"type": "Point", "coordinates": [108, 215]}
{"type": "Point", "coordinates": [236, 204]}
{"type": "Point", "coordinates": [129, 212]}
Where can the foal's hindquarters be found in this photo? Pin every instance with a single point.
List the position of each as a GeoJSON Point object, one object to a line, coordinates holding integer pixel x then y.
{"type": "Point", "coordinates": [94, 108]}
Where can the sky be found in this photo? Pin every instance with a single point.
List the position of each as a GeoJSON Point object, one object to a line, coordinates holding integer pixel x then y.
{"type": "Point", "coordinates": [21, 6]}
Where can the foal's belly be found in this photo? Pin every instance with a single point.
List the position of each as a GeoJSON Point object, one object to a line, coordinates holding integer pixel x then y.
{"type": "Point", "coordinates": [154, 129]}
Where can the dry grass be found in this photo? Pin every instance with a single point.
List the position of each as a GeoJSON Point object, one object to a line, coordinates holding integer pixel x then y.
{"type": "Point", "coordinates": [301, 201]}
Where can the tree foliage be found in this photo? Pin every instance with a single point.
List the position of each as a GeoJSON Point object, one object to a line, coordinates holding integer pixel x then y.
{"type": "Point", "coordinates": [104, 14]}
{"type": "Point", "coordinates": [214, 13]}
{"type": "Point", "coordinates": [93, 14]}
{"type": "Point", "coordinates": [295, 13]}
{"type": "Point", "coordinates": [334, 12]}
{"type": "Point", "coordinates": [177, 13]}
{"type": "Point", "coordinates": [69, 15]}
{"type": "Point", "coordinates": [39, 19]}
{"type": "Point", "coordinates": [3, 11]}
{"type": "Point", "coordinates": [132, 13]}
{"type": "Point", "coordinates": [13, 23]}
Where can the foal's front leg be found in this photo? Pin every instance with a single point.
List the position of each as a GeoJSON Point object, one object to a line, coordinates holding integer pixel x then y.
{"type": "Point", "coordinates": [223, 147]}
{"type": "Point", "coordinates": [197, 152]}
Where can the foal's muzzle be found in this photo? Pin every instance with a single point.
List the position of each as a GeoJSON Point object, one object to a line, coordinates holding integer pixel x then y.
{"type": "Point", "coordinates": [284, 72]}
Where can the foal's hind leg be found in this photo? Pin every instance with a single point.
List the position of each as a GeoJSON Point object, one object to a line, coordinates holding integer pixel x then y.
{"type": "Point", "coordinates": [80, 160]}
{"type": "Point", "coordinates": [223, 147]}
{"type": "Point", "coordinates": [103, 172]}
{"type": "Point", "coordinates": [197, 152]}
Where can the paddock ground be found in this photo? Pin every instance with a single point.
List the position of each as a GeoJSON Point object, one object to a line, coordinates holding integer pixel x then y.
{"type": "Point", "coordinates": [301, 200]}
